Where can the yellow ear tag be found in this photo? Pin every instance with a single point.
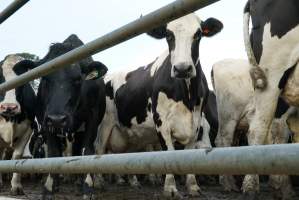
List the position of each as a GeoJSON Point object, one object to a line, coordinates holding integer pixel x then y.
{"type": "Point", "coordinates": [92, 75]}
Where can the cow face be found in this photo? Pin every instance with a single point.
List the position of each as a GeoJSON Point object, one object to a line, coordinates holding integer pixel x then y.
{"type": "Point", "coordinates": [59, 92]}
{"type": "Point", "coordinates": [183, 37]}
{"type": "Point", "coordinates": [10, 100]}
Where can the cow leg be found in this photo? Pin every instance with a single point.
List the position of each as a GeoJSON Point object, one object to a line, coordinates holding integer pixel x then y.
{"type": "Point", "coordinates": [133, 180]}
{"type": "Point", "coordinates": [119, 179]}
{"type": "Point", "coordinates": [225, 139]}
{"type": "Point", "coordinates": [191, 183]}
{"type": "Point", "coordinates": [265, 106]}
{"type": "Point", "coordinates": [280, 184]}
{"type": "Point", "coordinates": [170, 189]}
{"type": "Point", "coordinates": [88, 149]}
{"type": "Point", "coordinates": [103, 135]}
{"type": "Point", "coordinates": [54, 149]}
{"type": "Point", "coordinates": [16, 186]}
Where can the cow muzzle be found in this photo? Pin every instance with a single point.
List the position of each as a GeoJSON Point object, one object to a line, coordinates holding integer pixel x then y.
{"type": "Point", "coordinates": [56, 121]}
{"type": "Point", "coordinates": [183, 71]}
{"type": "Point", "coordinates": [9, 109]}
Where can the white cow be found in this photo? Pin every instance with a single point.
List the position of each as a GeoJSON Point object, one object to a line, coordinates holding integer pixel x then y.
{"type": "Point", "coordinates": [234, 93]}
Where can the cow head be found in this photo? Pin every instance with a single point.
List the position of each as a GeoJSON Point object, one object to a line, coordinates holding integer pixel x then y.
{"type": "Point", "coordinates": [59, 92]}
{"type": "Point", "coordinates": [10, 101]}
{"type": "Point", "coordinates": [183, 37]}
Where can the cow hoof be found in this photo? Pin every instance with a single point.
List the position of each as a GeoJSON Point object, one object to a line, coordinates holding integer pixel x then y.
{"type": "Point", "coordinates": [47, 195]}
{"type": "Point", "coordinates": [88, 192]}
{"type": "Point", "coordinates": [228, 184]}
{"type": "Point", "coordinates": [172, 195]}
{"type": "Point", "coordinates": [120, 182]}
{"type": "Point", "coordinates": [89, 197]}
{"type": "Point", "coordinates": [15, 191]}
{"type": "Point", "coordinates": [250, 195]}
{"type": "Point", "coordinates": [194, 191]}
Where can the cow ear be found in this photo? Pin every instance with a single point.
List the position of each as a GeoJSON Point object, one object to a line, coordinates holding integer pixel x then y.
{"type": "Point", "coordinates": [158, 33]}
{"type": "Point", "coordinates": [211, 26]}
{"type": "Point", "coordinates": [24, 66]}
{"type": "Point", "coordinates": [95, 70]}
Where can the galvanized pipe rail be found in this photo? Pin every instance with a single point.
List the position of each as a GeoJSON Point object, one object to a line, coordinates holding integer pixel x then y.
{"type": "Point", "coordinates": [159, 17]}
{"type": "Point", "coordinates": [11, 9]}
{"type": "Point", "coordinates": [268, 159]}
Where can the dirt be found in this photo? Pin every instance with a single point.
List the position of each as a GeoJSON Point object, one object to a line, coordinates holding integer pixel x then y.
{"type": "Point", "coordinates": [32, 189]}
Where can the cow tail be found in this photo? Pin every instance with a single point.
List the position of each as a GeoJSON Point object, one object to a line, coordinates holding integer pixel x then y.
{"type": "Point", "coordinates": [258, 76]}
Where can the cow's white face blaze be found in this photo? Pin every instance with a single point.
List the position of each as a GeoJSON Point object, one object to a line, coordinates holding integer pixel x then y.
{"type": "Point", "coordinates": [183, 37]}
{"type": "Point", "coordinates": [9, 105]}
{"type": "Point", "coordinates": [181, 34]}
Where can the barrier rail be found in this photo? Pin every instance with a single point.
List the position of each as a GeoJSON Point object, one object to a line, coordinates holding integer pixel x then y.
{"type": "Point", "coordinates": [268, 159]}
{"type": "Point", "coordinates": [11, 9]}
{"type": "Point", "coordinates": [159, 17]}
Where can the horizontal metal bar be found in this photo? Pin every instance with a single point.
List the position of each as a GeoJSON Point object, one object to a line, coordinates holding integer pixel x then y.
{"type": "Point", "coordinates": [11, 9]}
{"type": "Point", "coordinates": [159, 17]}
{"type": "Point", "coordinates": [268, 159]}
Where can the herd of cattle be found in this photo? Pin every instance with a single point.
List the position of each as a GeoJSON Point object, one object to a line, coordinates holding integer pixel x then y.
{"type": "Point", "coordinates": [166, 105]}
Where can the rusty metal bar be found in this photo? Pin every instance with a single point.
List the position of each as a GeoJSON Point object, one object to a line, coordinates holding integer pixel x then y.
{"type": "Point", "coordinates": [268, 159]}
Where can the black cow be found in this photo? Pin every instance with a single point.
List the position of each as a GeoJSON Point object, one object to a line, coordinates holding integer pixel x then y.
{"type": "Point", "coordinates": [70, 100]}
{"type": "Point", "coordinates": [17, 113]}
{"type": "Point", "coordinates": [272, 48]}
{"type": "Point", "coordinates": [165, 97]}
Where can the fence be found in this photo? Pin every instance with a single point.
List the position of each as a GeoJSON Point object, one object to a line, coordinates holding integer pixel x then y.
{"type": "Point", "coordinates": [268, 159]}
{"type": "Point", "coordinates": [11, 9]}
{"type": "Point", "coordinates": [272, 159]}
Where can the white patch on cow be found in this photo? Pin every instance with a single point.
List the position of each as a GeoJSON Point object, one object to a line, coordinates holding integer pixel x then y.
{"type": "Point", "coordinates": [205, 142]}
{"type": "Point", "coordinates": [89, 180]}
{"type": "Point", "coordinates": [178, 119]}
{"type": "Point", "coordinates": [159, 62]}
{"type": "Point", "coordinates": [117, 79]}
{"type": "Point", "coordinates": [8, 73]}
{"type": "Point", "coordinates": [49, 183]}
{"type": "Point", "coordinates": [183, 29]}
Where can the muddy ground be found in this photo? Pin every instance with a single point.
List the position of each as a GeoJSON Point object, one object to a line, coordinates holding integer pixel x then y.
{"type": "Point", "coordinates": [32, 189]}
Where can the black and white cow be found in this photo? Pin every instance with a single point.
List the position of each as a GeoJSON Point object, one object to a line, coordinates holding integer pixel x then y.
{"type": "Point", "coordinates": [164, 97]}
{"type": "Point", "coordinates": [69, 100]}
{"type": "Point", "coordinates": [17, 113]}
{"type": "Point", "coordinates": [273, 51]}
{"type": "Point", "coordinates": [234, 93]}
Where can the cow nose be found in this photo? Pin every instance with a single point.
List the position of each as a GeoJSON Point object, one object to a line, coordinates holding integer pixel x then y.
{"type": "Point", "coordinates": [9, 108]}
{"type": "Point", "coordinates": [56, 120]}
{"type": "Point", "coordinates": [182, 70]}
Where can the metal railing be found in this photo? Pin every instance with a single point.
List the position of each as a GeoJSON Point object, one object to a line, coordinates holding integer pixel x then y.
{"type": "Point", "coordinates": [154, 19]}
{"type": "Point", "coordinates": [267, 159]}
{"type": "Point", "coordinates": [11, 9]}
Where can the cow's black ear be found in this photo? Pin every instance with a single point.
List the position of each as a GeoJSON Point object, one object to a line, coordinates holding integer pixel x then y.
{"type": "Point", "coordinates": [211, 26]}
{"type": "Point", "coordinates": [158, 33]}
{"type": "Point", "coordinates": [95, 70]}
{"type": "Point", "coordinates": [24, 66]}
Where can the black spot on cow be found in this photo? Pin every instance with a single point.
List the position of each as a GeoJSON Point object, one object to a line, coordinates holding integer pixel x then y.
{"type": "Point", "coordinates": [281, 108]}
{"type": "Point", "coordinates": [284, 79]}
{"type": "Point", "coordinates": [109, 90]}
{"type": "Point", "coordinates": [282, 15]}
{"type": "Point", "coordinates": [200, 133]}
